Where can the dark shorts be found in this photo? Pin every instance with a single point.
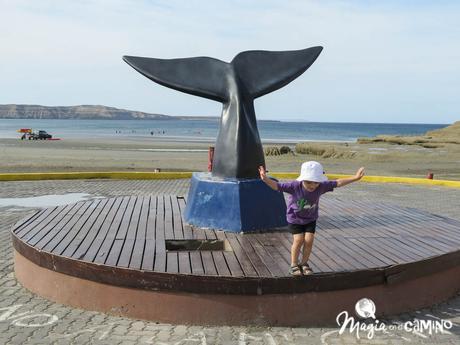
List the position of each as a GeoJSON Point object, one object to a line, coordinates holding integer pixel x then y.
{"type": "Point", "coordinates": [302, 228]}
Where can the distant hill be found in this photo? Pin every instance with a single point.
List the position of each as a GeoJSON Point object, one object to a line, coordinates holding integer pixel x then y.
{"type": "Point", "coordinates": [87, 112]}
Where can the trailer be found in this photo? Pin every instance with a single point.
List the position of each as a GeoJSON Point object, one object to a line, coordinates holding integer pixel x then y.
{"type": "Point", "coordinates": [29, 134]}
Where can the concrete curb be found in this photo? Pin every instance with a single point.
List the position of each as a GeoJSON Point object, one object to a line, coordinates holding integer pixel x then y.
{"type": "Point", "coordinates": [135, 175]}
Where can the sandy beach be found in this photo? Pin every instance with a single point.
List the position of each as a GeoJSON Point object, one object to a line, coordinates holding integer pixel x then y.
{"type": "Point", "coordinates": [135, 154]}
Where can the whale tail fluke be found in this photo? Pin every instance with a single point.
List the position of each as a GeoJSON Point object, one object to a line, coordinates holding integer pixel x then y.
{"type": "Point", "coordinates": [263, 72]}
{"type": "Point", "coordinates": [199, 76]}
{"type": "Point", "coordinates": [260, 71]}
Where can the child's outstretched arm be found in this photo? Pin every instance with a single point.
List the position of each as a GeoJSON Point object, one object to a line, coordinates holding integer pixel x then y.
{"type": "Point", "coordinates": [263, 176]}
{"type": "Point", "coordinates": [344, 181]}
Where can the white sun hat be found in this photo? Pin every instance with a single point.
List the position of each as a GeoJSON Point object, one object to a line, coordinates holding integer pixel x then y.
{"type": "Point", "coordinates": [312, 171]}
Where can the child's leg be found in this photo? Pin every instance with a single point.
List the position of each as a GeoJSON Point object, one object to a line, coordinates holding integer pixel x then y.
{"type": "Point", "coordinates": [307, 246]}
{"type": "Point", "coordinates": [297, 243]}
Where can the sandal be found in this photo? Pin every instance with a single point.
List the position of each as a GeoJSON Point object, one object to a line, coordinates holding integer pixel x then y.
{"type": "Point", "coordinates": [306, 269]}
{"type": "Point", "coordinates": [295, 271]}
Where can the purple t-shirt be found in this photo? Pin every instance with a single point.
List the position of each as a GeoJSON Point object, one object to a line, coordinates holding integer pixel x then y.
{"type": "Point", "coordinates": [303, 205]}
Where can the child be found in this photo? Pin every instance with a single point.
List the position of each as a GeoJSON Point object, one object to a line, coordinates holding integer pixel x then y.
{"type": "Point", "coordinates": [303, 205]}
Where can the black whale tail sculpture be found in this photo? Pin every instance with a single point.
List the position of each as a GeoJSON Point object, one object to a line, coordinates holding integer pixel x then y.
{"type": "Point", "coordinates": [251, 74]}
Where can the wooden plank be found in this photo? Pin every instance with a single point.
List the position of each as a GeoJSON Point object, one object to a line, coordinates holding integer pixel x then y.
{"type": "Point", "coordinates": [160, 247]}
{"type": "Point", "coordinates": [208, 263]}
{"type": "Point", "coordinates": [168, 219]}
{"type": "Point", "coordinates": [184, 259]}
{"type": "Point", "coordinates": [433, 226]}
{"type": "Point", "coordinates": [431, 241]}
{"type": "Point", "coordinates": [443, 233]}
{"type": "Point", "coordinates": [130, 236]}
{"type": "Point", "coordinates": [414, 228]}
{"type": "Point", "coordinates": [119, 234]}
{"type": "Point", "coordinates": [428, 248]}
{"type": "Point", "coordinates": [220, 263]}
{"type": "Point", "coordinates": [177, 219]}
{"type": "Point", "coordinates": [112, 258]}
{"type": "Point", "coordinates": [58, 227]}
{"type": "Point", "coordinates": [172, 259]}
{"type": "Point", "coordinates": [416, 252]}
{"type": "Point", "coordinates": [80, 252]}
{"type": "Point", "coordinates": [367, 259]}
{"type": "Point", "coordinates": [184, 263]}
{"type": "Point", "coordinates": [122, 230]}
{"type": "Point", "coordinates": [73, 227]}
{"type": "Point", "coordinates": [343, 261]}
{"type": "Point", "coordinates": [45, 222]}
{"type": "Point", "coordinates": [21, 232]}
{"type": "Point", "coordinates": [188, 232]}
{"type": "Point", "coordinates": [149, 251]}
{"type": "Point", "coordinates": [151, 218]}
{"type": "Point", "coordinates": [196, 263]}
{"type": "Point", "coordinates": [232, 262]}
{"type": "Point", "coordinates": [396, 250]}
{"type": "Point", "coordinates": [141, 236]}
{"type": "Point", "coordinates": [172, 262]}
{"type": "Point", "coordinates": [86, 235]}
{"type": "Point", "coordinates": [149, 255]}
{"type": "Point", "coordinates": [96, 245]}
{"type": "Point", "coordinates": [322, 254]}
{"type": "Point", "coordinates": [279, 253]}
{"type": "Point", "coordinates": [257, 263]}
{"type": "Point", "coordinates": [268, 255]}
{"type": "Point", "coordinates": [243, 259]}
{"type": "Point", "coordinates": [371, 260]}
{"type": "Point", "coordinates": [24, 221]}
{"type": "Point", "coordinates": [276, 240]}
{"type": "Point", "coordinates": [129, 219]}
{"type": "Point", "coordinates": [381, 252]}
{"type": "Point", "coordinates": [102, 253]}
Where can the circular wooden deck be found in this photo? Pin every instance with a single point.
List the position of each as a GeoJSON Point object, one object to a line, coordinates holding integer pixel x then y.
{"type": "Point", "coordinates": [95, 254]}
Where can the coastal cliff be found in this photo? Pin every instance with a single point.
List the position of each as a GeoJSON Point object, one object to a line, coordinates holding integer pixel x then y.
{"type": "Point", "coordinates": [83, 112]}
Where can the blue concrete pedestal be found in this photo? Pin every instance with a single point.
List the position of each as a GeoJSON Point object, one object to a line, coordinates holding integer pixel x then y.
{"type": "Point", "coordinates": [237, 205]}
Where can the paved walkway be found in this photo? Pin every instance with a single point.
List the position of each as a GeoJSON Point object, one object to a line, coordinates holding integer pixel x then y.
{"type": "Point", "coordinates": [28, 319]}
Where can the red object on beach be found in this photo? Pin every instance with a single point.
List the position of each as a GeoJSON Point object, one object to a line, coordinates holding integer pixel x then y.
{"type": "Point", "coordinates": [53, 139]}
{"type": "Point", "coordinates": [210, 157]}
{"type": "Point", "coordinates": [430, 176]}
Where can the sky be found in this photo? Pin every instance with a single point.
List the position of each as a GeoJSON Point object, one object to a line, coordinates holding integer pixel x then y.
{"type": "Point", "coordinates": [383, 61]}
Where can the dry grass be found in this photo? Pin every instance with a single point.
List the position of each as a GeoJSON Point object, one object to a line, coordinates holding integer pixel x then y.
{"type": "Point", "coordinates": [277, 151]}
{"type": "Point", "coordinates": [324, 151]}
{"type": "Point", "coordinates": [432, 139]}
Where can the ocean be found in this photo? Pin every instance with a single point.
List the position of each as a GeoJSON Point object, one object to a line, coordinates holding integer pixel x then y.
{"type": "Point", "coordinates": [206, 130]}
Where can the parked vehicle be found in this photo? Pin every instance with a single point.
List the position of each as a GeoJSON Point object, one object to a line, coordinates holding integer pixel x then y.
{"type": "Point", "coordinates": [42, 135]}
{"type": "Point", "coordinates": [34, 135]}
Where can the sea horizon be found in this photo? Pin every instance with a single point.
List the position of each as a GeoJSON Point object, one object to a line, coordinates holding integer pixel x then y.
{"type": "Point", "coordinates": [207, 129]}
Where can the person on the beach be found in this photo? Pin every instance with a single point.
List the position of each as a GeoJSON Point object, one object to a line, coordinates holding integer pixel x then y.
{"type": "Point", "coordinates": [302, 208]}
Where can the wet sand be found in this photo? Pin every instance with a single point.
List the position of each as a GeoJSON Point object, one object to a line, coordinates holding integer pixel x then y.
{"type": "Point", "coordinates": [134, 154]}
